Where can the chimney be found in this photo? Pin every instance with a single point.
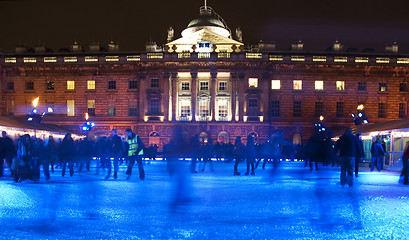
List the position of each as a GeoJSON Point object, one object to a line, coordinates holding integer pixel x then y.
{"type": "Point", "coordinates": [113, 47]}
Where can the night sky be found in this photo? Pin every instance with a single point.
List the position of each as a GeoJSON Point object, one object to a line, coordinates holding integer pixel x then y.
{"type": "Point", "coordinates": [360, 24]}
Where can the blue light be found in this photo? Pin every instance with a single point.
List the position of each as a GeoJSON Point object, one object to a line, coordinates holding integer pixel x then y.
{"type": "Point", "coordinates": [29, 119]}
{"type": "Point", "coordinates": [88, 123]}
{"type": "Point", "coordinates": [92, 124]}
{"type": "Point", "coordinates": [35, 110]}
{"type": "Point", "coordinates": [84, 128]}
{"type": "Point", "coordinates": [43, 114]}
{"type": "Point", "coordinates": [360, 115]}
{"type": "Point", "coordinates": [366, 121]}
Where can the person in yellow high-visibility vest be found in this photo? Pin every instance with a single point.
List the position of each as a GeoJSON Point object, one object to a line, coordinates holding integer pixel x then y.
{"type": "Point", "coordinates": [135, 153]}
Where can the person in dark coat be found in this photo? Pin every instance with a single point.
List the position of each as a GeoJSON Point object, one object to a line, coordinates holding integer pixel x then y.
{"type": "Point", "coordinates": [50, 148]}
{"type": "Point", "coordinates": [8, 150]}
{"type": "Point", "coordinates": [358, 157]}
{"type": "Point", "coordinates": [405, 166]}
{"type": "Point", "coordinates": [348, 147]}
{"type": "Point", "coordinates": [67, 154]}
{"type": "Point", "coordinates": [250, 155]}
{"type": "Point", "coordinates": [377, 152]}
{"type": "Point", "coordinates": [115, 151]}
{"type": "Point", "coordinates": [238, 153]}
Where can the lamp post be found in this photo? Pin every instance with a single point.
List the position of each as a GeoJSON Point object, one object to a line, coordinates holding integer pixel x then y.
{"type": "Point", "coordinates": [34, 116]}
{"type": "Point", "coordinates": [360, 118]}
{"type": "Point", "coordinates": [87, 125]}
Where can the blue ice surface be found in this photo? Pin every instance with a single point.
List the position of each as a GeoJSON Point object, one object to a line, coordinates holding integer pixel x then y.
{"type": "Point", "coordinates": [289, 202]}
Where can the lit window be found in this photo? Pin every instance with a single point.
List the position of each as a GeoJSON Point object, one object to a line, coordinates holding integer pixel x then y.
{"type": "Point", "coordinates": [340, 85]}
{"type": "Point", "coordinates": [204, 47]}
{"type": "Point", "coordinates": [319, 58]}
{"type": "Point", "coordinates": [253, 82]}
{"type": "Point", "coordinates": [184, 108]}
{"type": "Point", "coordinates": [70, 108]}
{"type": "Point", "coordinates": [185, 86]}
{"type": "Point", "coordinates": [297, 58]}
{"type": "Point", "coordinates": [254, 55]}
{"type": "Point", "coordinates": [154, 55]}
{"type": "Point", "coordinates": [70, 85]}
{"type": "Point", "coordinates": [276, 58]}
{"type": "Point", "coordinates": [50, 59]}
{"type": "Point", "coordinates": [135, 58]}
{"type": "Point", "coordinates": [112, 58]}
{"type": "Point", "coordinates": [402, 60]}
{"type": "Point", "coordinates": [340, 59]}
{"type": "Point", "coordinates": [91, 59]}
{"type": "Point", "coordinates": [383, 87]}
{"type": "Point", "coordinates": [70, 59]}
{"type": "Point", "coordinates": [10, 60]}
{"type": "Point", "coordinates": [91, 107]}
{"type": "Point", "coordinates": [319, 85]}
{"type": "Point", "coordinates": [297, 85]}
{"type": "Point", "coordinates": [204, 86]}
{"type": "Point", "coordinates": [222, 86]}
{"type": "Point", "coordinates": [222, 109]}
{"type": "Point", "coordinates": [29, 60]}
{"type": "Point", "coordinates": [275, 84]}
{"type": "Point", "coordinates": [204, 109]}
{"type": "Point", "coordinates": [90, 84]}
{"type": "Point", "coordinates": [361, 59]}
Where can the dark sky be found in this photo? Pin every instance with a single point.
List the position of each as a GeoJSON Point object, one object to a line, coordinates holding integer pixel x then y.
{"type": "Point", "coordinates": [58, 23]}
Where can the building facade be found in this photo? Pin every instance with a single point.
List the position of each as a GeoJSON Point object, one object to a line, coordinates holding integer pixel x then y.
{"type": "Point", "coordinates": [207, 82]}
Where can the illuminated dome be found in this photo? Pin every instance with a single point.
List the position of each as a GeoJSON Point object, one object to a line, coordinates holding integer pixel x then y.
{"type": "Point", "coordinates": [208, 19]}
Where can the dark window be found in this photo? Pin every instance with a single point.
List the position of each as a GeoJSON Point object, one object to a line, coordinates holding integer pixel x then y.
{"type": "Point", "coordinates": [382, 110]}
{"type": "Point", "coordinates": [154, 83]}
{"type": "Point", "coordinates": [275, 108]}
{"type": "Point", "coordinates": [297, 109]}
{"type": "Point", "coordinates": [340, 109]}
{"type": "Point", "coordinates": [111, 84]}
{"type": "Point", "coordinates": [154, 106]}
{"type": "Point", "coordinates": [50, 85]}
{"type": "Point", "coordinates": [222, 86]}
{"type": "Point", "coordinates": [10, 86]}
{"type": "Point", "coordinates": [29, 86]}
{"type": "Point", "coordinates": [383, 87]}
{"type": "Point", "coordinates": [252, 102]}
{"type": "Point", "coordinates": [91, 111]}
{"type": "Point", "coordinates": [403, 87]}
{"type": "Point", "coordinates": [133, 112]}
{"type": "Point", "coordinates": [252, 107]}
{"type": "Point", "coordinates": [111, 111]}
{"type": "Point", "coordinates": [361, 86]}
{"type": "Point", "coordinates": [402, 110]}
{"type": "Point", "coordinates": [204, 86]}
{"type": "Point", "coordinates": [185, 86]}
{"type": "Point", "coordinates": [133, 84]}
{"type": "Point", "coordinates": [318, 108]}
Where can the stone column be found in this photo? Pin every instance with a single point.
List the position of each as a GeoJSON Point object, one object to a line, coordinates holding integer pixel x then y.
{"type": "Point", "coordinates": [166, 96]}
{"type": "Point", "coordinates": [174, 95]}
{"type": "Point", "coordinates": [233, 78]}
{"type": "Point", "coordinates": [194, 95]}
{"type": "Point", "coordinates": [213, 88]}
{"type": "Point", "coordinates": [242, 83]}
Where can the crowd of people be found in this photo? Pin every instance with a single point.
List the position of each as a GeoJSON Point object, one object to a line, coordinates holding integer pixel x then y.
{"type": "Point", "coordinates": [27, 155]}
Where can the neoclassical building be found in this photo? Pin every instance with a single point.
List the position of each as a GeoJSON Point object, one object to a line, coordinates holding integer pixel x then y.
{"type": "Point", "coordinates": [207, 81]}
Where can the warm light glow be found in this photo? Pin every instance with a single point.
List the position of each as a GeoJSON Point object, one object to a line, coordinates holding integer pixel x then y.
{"type": "Point", "coordinates": [319, 85]}
{"type": "Point", "coordinates": [340, 85]}
{"type": "Point", "coordinates": [340, 59]}
{"type": "Point", "coordinates": [253, 82]}
{"type": "Point", "coordinates": [319, 58]}
{"type": "Point", "coordinates": [91, 59]}
{"type": "Point", "coordinates": [91, 84]}
{"type": "Point", "coordinates": [70, 59]}
{"type": "Point", "coordinates": [70, 85]}
{"type": "Point", "coordinates": [297, 85]}
{"type": "Point", "coordinates": [276, 58]}
{"type": "Point", "coordinates": [254, 55]}
{"type": "Point", "coordinates": [203, 75]}
{"type": "Point", "coordinates": [360, 107]}
{"type": "Point", "coordinates": [35, 101]}
{"type": "Point", "coordinates": [321, 118]}
{"type": "Point", "coordinates": [184, 74]}
{"type": "Point", "coordinates": [297, 58]}
{"type": "Point", "coordinates": [261, 118]}
{"type": "Point", "coordinates": [86, 116]}
{"type": "Point", "coordinates": [361, 60]}
{"type": "Point", "coordinates": [275, 84]}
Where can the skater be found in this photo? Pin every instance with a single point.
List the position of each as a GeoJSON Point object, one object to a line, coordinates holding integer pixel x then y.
{"type": "Point", "coordinates": [238, 153]}
{"type": "Point", "coordinates": [115, 152]}
{"type": "Point", "coordinates": [250, 155]}
{"type": "Point", "coordinates": [67, 154]}
{"type": "Point", "coordinates": [135, 153]}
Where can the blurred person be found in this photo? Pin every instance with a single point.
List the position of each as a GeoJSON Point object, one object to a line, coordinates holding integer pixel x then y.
{"type": "Point", "coordinates": [377, 152]}
{"type": "Point", "coordinates": [7, 151]}
{"type": "Point", "coordinates": [67, 154]}
{"type": "Point", "coordinates": [194, 152]}
{"type": "Point", "coordinates": [175, 149]}
{"type": "Point", "coordinates": [348, 147]}
{"type": "Point", "coordinates": [21, 168]}
{"type": "Point", "coordinates": [238, 153]}
{"type": "Point", "coordinates": [358, 157]}
{"type": "Point", "coordinates": [102, 152]}
{"type": "Point", "coordinates": [265, 153]}
{"type": "Point", "coordinates": [405, 166]}
{"type": "Point", "coordinates": [250, 155]}
{"type": "Point", "coordinates": [50, 149]}
{"type": "Point", "coordinates": [86, 150]}
{"type": "Point", "coordinates": [115, 152]}
{"type": "Point", "coordinates": [135, 153]}
{"type": "Point", "coordinates": [207, 152]}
